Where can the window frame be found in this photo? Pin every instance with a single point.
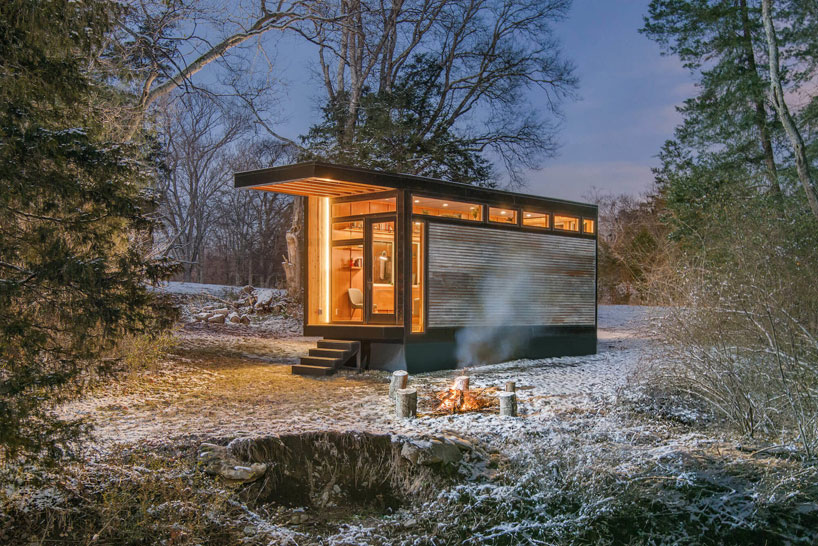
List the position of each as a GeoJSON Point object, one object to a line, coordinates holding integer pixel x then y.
{"type": "Point", "coordinates": [547, 214]}
{"type": "Point", "coordinates": [481, 206]}
{"type": "Point", "coordinates": [514, 210]}
{"type": "Point", "coordinates": [577, 217]}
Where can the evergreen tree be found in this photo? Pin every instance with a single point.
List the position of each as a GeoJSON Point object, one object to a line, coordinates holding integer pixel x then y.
{"type": "Point", "coordinates": [74, 218]}
{"type": "Point", "coordinates": [395, 130]}
{"type": "Point", "coordinates": [729, 123]}
{"type": "Point", "coordinates": [731, 145]}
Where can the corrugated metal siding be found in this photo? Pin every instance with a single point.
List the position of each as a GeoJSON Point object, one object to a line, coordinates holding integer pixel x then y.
{"type": "Point", "coordinates": [481, 276]}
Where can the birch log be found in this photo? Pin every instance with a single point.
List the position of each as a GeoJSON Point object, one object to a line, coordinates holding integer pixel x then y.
{"type": "Point", "coordinates": [511, 386]}
{"type": "Point", "coordinates": [406, 403]}
{"type": "Point", "coordinates": [802, 163]}
{"type": "Point", "coordinates": [461, 383]}
{"type": "Point", "coordinates": [508, 404]}
{"type": "Point", "coordinates": [399, 379]}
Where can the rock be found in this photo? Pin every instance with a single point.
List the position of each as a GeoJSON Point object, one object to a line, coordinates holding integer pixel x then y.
{"type": "Point", "coordinates": [462, 443]}
{"type": "Point", "coordinates": [219, 461]}
{"type": "Point", "coordinates": [429, 452]}
{"type": "Point", "coordinates": [240, 473]}
{"type": "Point", "coordinates": [222, 311]}
{"type": "Point", "coordinates": [245, 319]}
{"type": "Point", "coordinates": [201, 317]}
{"type": "Point", "coordinates": [234, 317]}
{"type": "Point", "coordinates": [265, 299]}
{"type": "Point", "coordinates": [216, 319]}
{"type": "Point", "coordinates": [248, 289]}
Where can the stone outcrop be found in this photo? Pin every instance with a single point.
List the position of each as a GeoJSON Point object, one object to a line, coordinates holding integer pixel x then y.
{"type": "Point", "coordinates": [219, 461]}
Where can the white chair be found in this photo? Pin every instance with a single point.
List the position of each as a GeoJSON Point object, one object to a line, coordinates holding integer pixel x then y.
{"type": "Point", "coordinates": [356, 298]}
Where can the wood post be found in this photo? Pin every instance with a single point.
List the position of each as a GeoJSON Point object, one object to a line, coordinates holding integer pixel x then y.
{"type": "Point", "coordinates": [511, 386]}
{"type": "Point", "coordinates": [461, 383]}
{"type": "Point", "coordinates": [399, 379]}
{"type": "Point", "coordinates": [406, 403]}
{"type": "Point", "coordinates": [508, 404]}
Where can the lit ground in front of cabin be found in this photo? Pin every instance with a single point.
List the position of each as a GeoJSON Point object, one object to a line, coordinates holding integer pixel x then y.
{"type": "Point", "coordinates": [231, 380]}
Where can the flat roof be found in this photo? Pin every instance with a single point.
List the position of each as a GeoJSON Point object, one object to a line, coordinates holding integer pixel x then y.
{"type": "Point", "coordinates": [329, 180]}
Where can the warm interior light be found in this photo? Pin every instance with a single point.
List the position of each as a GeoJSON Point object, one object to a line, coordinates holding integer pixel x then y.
{"type": "Point", "coordinates": [417, 200]}
{"type": "Point", "coordinates": [528, 216]}
{"type": "Point", "coordinates": [502, 212]}
{"type": "Point", "coordinates": [445, 204]}
{"type": "Point", "coordinates": [325, 261]}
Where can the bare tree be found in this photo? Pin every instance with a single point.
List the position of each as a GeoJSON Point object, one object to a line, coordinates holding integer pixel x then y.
{"type": "Point", "coordinates": [197, 133]}
{"type": "Point", "coordinates": [802, 164]}
{"type": "Point", "coordinates": [490, 53]}
{"type": "Point", "coordinates": [165, 43]}
{"type": "Point", "coordinates": [249, 231]}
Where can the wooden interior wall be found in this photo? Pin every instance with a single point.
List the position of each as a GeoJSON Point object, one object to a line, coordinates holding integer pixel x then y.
{"type": "Point", "coordinates": [484, 276]}
{"type": "Point", "coordinates": [383, 297]}
{"type": "Point", "coordinates": [313, 262]}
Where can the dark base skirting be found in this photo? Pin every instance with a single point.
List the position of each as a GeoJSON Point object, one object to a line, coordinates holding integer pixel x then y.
{"type": "Point", "coordinates": [425, 354]}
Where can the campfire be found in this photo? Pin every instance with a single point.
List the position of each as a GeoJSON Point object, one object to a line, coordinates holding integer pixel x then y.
{"type": "Point", "coordinates": [459, 398]}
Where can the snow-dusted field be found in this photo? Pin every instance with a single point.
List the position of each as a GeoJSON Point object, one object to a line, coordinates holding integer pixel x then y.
{"type": "Point", "coordinates": [588, 453]}
{"type": "Point", "coordinates": [230, 380]}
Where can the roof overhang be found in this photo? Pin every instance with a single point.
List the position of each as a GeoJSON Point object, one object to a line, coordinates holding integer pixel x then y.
{"type": "Point", "coordinates": [308, 179]}
{"type": "Point", "coordinates": [327, 180]}
{"type": "Point", "coordinates": [320, 187]}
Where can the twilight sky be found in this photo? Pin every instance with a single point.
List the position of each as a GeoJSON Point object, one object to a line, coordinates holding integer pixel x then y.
{"type": "Point", "coordinates": [610, 136]}
{"type": "Point", "coordinates": [628, 93]}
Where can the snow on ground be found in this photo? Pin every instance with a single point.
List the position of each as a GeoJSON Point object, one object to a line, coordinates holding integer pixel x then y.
{"type": "Point", "coordinates": [195, 288]}
{"type": "Point", "coordinates": [581, 431]}
{"type": "Point", "coordinates": [235, 380]}
{"type": "Point", "coordinates": [219, 290]}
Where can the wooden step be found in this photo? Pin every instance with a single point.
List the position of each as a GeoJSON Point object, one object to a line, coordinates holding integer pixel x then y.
{"type": "Point", "coordinates": [302, 369]}
{"type": "Point", "coordinates": [330, 353]}
{"type": "Point", "coordinates": [339, 344]}
{"type": "Point", "coordinates": [321, 361]}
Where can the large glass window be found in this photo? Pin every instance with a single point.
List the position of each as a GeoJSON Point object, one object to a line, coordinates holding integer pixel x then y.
{"type": "Point", "coordinates": [588, 225]}
{"type": "Point", "coordinates": [447, 208]}
{"type": "Point", "coordinates": [370, 206]}
{"type": "Point", "coordinates": [348, 283]}
{"type": "Point", "coordinates": [502, 216]}
{"type": "Point", "coordinates": [536, 219]}
{"type": "Point", "coordinates": [383, 268]}
{"type": "Point", "coordinates": [417, 276]}
{"type": "Point", "coordinates": [566, 223]}
{"type": "Point", "coordinates": [344, 231]}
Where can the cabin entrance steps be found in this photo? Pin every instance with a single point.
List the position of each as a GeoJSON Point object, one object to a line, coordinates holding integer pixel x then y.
{"type": "Point", "coordinates": [329, 356]}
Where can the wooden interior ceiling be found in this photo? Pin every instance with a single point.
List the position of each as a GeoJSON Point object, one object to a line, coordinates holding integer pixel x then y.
{"type": "Point", "coordinates": [321, 187]}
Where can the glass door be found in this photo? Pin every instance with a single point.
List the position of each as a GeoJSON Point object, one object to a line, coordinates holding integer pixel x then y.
{"type": "Point", "coordinates": [381, 274]}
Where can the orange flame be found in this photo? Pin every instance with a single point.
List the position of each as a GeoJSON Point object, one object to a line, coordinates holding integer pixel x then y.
{"type": "Point", "coordinates": [455, 400]}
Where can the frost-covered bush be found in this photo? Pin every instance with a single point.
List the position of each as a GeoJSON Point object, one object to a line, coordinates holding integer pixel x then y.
{"type": "Point", "coordinates": [609, 495]}
{"type": "Point", "coordinates": [742, 331]}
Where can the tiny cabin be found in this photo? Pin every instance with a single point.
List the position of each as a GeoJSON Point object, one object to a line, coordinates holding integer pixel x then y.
{"type": "Point", "coordinates": [414, 273]}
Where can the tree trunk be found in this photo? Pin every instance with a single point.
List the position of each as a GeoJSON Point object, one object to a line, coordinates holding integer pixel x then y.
{"type": "Point", "coordinates": [406, 403]}
{"type": "Point", "coordinates": [508, 404]}
{"type": "Point", "coordinates": [793, 134]}
{"type": "Point", "coordinates": [292, 262]}
{"type": "Point", "coordinates": [399, 379]}
{"type": "Point", "coordinates": [760, 108]}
